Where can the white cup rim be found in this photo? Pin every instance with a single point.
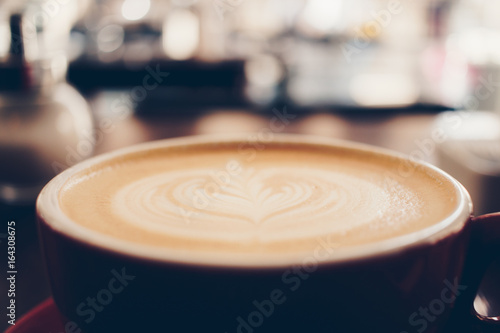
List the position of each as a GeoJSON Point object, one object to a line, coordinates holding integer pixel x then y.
{"type": "Point", "coordinates": [51, 214]}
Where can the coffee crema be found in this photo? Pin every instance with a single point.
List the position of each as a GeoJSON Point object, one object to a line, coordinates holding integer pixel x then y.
{"type": "Point", "coordinates": [256, 199]}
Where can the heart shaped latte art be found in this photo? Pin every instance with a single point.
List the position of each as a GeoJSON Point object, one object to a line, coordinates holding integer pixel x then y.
{"type": "Point", "coordinates": [256, 205]}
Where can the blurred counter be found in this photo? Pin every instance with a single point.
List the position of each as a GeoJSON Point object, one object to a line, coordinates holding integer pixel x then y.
{"type": "Point", "coordinates": [121, 128]}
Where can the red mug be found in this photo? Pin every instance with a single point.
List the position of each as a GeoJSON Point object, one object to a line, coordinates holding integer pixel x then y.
{"type": "Point", "coordinates": [413, 283]}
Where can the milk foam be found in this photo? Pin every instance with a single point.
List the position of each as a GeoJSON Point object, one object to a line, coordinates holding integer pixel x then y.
{"type": "Point", "coordinates": [282, 200]}
{"type": "Point", "coordinates": [266, 205]}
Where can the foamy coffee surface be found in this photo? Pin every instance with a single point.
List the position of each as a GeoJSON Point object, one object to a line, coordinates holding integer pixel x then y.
{"type": "Point", "coordinates": [256, 200]}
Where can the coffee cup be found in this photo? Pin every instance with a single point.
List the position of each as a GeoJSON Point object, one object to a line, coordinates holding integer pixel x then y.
{"type": "Point", "coordinates": [274, 234]}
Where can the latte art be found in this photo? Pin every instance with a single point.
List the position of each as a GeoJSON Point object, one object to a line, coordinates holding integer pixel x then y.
{"type": "Point", "coordinates": [213, 200]}
{"type": "Point", "coordinates": [258, 205]}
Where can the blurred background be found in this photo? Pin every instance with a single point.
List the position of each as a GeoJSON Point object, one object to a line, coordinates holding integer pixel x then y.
{"type": "Point", "coordinates": [80, 78]}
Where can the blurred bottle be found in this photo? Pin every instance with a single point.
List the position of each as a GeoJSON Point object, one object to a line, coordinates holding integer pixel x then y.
{"type": "Point", "coordinates": [45, 124]}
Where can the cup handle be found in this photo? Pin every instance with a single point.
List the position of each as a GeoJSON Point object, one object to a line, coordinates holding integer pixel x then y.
{"type": "Point", "coordinates": [485, 247]}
